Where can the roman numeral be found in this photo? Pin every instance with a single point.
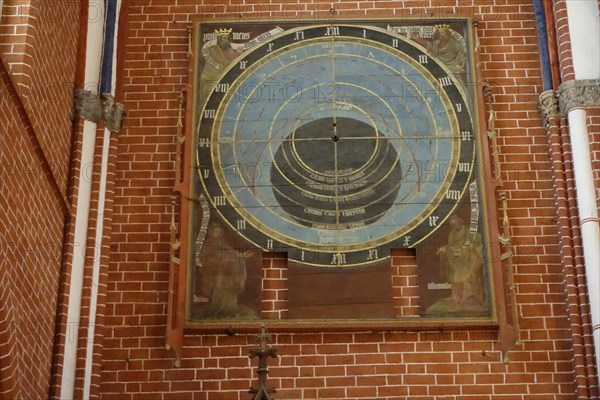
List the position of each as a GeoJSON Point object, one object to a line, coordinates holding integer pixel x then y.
{"type": "Point", "coordinates": [219, 200]}
{"type": "Point", "coordinates": [222, 88]}
{"type": "Point", "coordinates": [445, 81]}
{"type": "Point", "coordinates": [338, 259]}
{"type": "Point", "coordinates": [210, 114]}
{"type": "Point", "coordinates": [466, 136]}
{"type": "Point", "coordinates": [453, 194]}
{"type": "Point", "coordinates": [464, 167]}
{"type": "Point", "coordinates": [423, 59]}
{"type": "Point", "coordinates": [433, 220]}
{"type": "Point", "coordinates": [241, 224]}
{"type": "Point", "coordinates": [332, 31]}
{"type": "Point", "coordinates": [372, 255]}
{"type": "Point", "coordinates": [203, 142]}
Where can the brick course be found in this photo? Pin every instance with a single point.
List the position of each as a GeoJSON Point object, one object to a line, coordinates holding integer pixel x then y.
{"type": "Point", "coordinates": [36, 32]}
{"type": "Point", "coordinates": [31, 240]}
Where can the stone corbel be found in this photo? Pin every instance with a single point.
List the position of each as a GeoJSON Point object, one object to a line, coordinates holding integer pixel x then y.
{"type": "Point", "coordinates": [548, 104]}
{"type": "Point", "coordinates": [102, 108]}
{"type": "Point", "coordinates": [578, 94]}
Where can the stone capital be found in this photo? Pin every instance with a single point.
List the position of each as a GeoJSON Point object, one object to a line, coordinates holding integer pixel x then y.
{"type": "Point", "coordinates": [548, 104]}
{"type": "Point", "coordinates": [578, 94]}
{"type": "Point", "coordinates": [99, 108]}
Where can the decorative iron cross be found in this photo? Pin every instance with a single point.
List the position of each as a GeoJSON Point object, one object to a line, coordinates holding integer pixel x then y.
{"type": "Point", "coordinates": [263, 352]}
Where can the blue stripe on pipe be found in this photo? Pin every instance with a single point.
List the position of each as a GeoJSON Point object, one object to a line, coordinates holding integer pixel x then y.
{"type": "Point", "coordinates": [540, 18]}
{"type": "Point", "coordinates": [109, 45]}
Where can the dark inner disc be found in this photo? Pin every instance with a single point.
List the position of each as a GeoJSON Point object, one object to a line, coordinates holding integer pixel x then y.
{"type": "Point", "coordinates": [340, 176]}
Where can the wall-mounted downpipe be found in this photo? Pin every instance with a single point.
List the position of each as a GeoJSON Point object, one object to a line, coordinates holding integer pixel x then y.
{"type": "Point", "coordinates": [107, 88]}
{"type": "Point", "coordinates": [94, 43]}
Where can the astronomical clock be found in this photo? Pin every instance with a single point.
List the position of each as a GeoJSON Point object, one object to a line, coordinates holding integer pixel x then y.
{"type": "Point", "coordinates": [351, 152]}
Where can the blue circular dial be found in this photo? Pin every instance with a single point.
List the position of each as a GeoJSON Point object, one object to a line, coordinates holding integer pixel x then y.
{"type": "Point", "coordinates": [335, 143]}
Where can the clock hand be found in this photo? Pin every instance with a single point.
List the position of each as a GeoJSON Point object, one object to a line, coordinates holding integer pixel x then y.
{"type": "Point", "coordinates": [335, 139]}
{"type": "Point", "coordinates": [333, 82]}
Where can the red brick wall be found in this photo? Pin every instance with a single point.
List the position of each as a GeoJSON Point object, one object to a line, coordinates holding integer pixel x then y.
{"type": "Point", "coordinates": [31, 233]}
{"type": "Point", "coordinates": [316, 365]}
{"type": "Point", "coordinates": [49, 99]}
{"type": "Point", "coordinates": [564, 41]}
{"type": "Point", "coordinates": [594, 130]}
{"type": "Point", "coordinates": [18, 23]}
{"type": "Point", "coordinates": [38, 48]}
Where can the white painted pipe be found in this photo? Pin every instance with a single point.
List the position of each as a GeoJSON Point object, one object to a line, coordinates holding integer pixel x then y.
{"type": "Point", "coordinates": [584, 30]}
{"type": "Point", "coordinates": [89, 354]}
{"type": "Point", "coordinates": [588, 213]}
{"type": "Point", "coordinates": [94, 43]}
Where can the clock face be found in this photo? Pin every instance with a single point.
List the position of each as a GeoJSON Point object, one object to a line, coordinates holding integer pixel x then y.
{"type": "Point", "coordinates": [335, 143]}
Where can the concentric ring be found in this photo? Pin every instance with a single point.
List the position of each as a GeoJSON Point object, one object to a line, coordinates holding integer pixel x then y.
{"type": "Point", "coordinates": [269, 172]}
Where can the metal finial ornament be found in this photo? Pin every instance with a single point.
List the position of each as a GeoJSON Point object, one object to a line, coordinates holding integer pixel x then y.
{"type": "Point", "coordinates": [263, 352]}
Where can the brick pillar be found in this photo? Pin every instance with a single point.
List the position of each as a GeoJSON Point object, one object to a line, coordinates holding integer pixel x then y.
{"type": "Point", "coordinates": [405, 283]}
{"type": "Point", "coordinates": [274, 286]}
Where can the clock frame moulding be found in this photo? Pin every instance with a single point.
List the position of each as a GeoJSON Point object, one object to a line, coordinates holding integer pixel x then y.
{"type": "Point", "coordinates": [501, 320]}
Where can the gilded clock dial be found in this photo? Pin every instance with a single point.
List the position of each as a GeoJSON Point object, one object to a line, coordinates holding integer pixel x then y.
{"type": "Point", "coordinates": [335, 143]}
